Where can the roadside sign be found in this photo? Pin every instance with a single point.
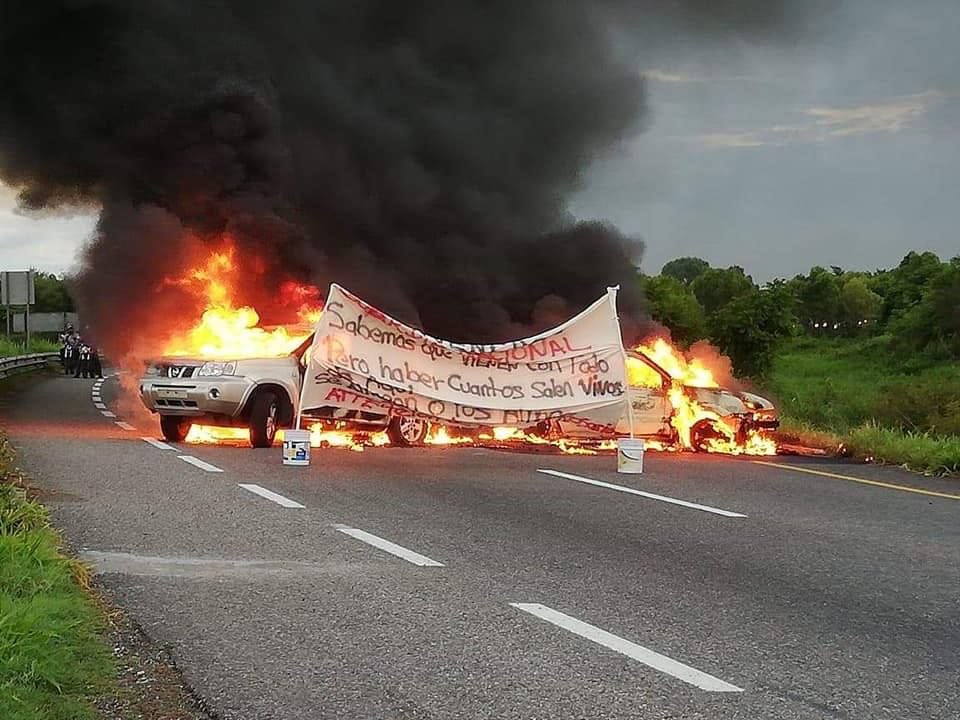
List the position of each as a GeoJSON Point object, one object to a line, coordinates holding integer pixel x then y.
{"type": "Point", "coordinates": [16, 288]}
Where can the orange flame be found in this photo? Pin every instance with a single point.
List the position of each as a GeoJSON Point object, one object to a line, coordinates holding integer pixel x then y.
{"type": "Point", "coordinates": [214, 434]}
{"type": "Point", "coordinates": [755, 444]}
{"type": "Point", "coordinates": [693, 373]}
{"type": "Point", "coordinates": [440, 435]}
{"type": "Point", "coordinates": [227, 331]}
{"type": "Point", "coordinates": [687, 412]}
{"type": "Point", "coordinates": [333, 438]}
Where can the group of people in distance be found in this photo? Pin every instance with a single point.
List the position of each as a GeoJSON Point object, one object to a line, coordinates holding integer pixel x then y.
{"type": "Point", "coordinates": [78, 357]}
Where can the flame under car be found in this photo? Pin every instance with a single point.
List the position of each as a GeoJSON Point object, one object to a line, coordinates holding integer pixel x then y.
{"type": "Point", "coordinates": [672, 413]}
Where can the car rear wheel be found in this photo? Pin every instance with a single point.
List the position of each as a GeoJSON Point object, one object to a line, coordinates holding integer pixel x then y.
{"type": "Point", "coordinates": [174, 428]}
{"type": "Point", "coordinates": [703, 432]}
{"type": "Point", "coordinates": [407, 430]}
{"type": "Point", "coordinates": [264, 416]}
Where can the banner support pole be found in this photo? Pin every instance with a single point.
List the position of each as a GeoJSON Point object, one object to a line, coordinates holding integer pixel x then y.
{"type": "Point", "coordinates": [623, 354]}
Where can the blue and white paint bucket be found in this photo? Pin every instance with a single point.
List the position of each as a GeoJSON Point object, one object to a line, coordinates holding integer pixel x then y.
{"type": "Point", "coordinates": [630, 455]}
{"type": "Point", "coordinates": [296, 447]}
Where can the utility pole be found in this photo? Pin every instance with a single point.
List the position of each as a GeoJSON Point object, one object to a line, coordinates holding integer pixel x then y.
{"type": "Point", "coordinates": [6, 300]}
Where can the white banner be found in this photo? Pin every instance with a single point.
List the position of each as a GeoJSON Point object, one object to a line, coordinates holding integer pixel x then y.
{"type": "Point", "coordinates": [363, 359]}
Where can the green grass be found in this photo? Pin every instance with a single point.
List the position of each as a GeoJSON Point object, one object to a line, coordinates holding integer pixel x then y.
{"type": "Point", "coordinates": [915, 450]}
{"type": "Point", "coordinates": [52, 658]}
{"type": "Point", "coordinates": [879, 402]}
{"type": "Point", "coordinates": [9, 348]}
{"type": "Point", "coordinates": [797, 431]}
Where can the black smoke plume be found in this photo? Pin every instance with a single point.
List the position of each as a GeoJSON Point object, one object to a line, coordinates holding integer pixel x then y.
{"type": "Point", "coordinates": [419, 153]}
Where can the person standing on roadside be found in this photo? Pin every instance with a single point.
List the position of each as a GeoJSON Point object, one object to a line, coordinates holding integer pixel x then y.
{"type": "Point", "coordinates": [70, 353]}
{"type": "Point", "coordinates": [96, 370]}
{"type": "Point", "coordinates": [83, 361]}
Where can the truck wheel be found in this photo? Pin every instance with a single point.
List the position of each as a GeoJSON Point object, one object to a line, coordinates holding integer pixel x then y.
{"type": "Point", "coordinates": [263, 419]}
{"type": "Point", "coordinates": [174, 428]}
{"type": "Point", "coordinates": [407, 430]}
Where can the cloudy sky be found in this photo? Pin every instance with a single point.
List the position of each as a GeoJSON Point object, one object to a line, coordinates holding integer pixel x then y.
{"type": "Point", "coordinates": [839, 147]}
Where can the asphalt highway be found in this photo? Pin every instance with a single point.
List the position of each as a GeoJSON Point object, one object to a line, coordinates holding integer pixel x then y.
{"type": "Point", "coordinates": [473, 583]}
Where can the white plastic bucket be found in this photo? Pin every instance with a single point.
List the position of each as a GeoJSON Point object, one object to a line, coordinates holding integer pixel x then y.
{"type": "Point", "coordinates": [629, 455]}
{"type": "Point", "coordinates": [296, 447]}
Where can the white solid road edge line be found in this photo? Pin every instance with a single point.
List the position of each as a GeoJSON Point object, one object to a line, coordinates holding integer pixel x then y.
{"type": "Point", "coordinates": [158, 444]}
{"type": "Point", "coordinates": [197, 462]}
{"type": "Point", "coordinates": [641, 493]}
{"type": "Point", "coordinates": [387, 546]}
{"type": "Point", "coordinates": [270, 495]}
{"type": "Point", "coordinates": [644, 655]}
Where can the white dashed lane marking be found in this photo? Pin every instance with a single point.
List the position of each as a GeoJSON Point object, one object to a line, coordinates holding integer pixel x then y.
{"type": "Point", "coordinates": [641, 493]}
{"type": "Point", "coordinates": [271, 495]}
{"type": "Point", "coordinates": [644, 655]}
{"type": "Point", "coordinates": [197, 462]}
{"type": "Point", "coordinates": [387, 546]}
{"type": "Point", "coordinates": [159, 445]}
{"type": "Point", "coordinates": [101, 406]}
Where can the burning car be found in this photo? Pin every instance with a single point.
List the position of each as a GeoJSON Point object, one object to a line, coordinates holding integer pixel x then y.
{"type": "Point", "coordinates": [684, 408]}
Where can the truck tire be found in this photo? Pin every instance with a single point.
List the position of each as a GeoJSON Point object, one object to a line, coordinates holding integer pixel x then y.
{"type": "Point", "coordinates": [407, 430]}
{"type": "Point", "coordinates": [264, 416]}
{"type": "Point", "coordinates": [174, 428]}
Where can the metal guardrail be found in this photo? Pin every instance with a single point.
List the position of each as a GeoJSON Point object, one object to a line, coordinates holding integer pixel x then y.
{"type": "Point", "coordinates": [21, 363]}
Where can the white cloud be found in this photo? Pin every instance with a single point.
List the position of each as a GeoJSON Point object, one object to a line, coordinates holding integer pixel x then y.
{"type": "Point", "coordinates": [50, 244]}
{"type": "Point", "coordinates": [890, 117]}
{"type": "Point", "coordinates": [715, 141]}
{"type": "Point", "coordinates": [828, 122]}
{"type": "Point", "coordinates": [671, 77]}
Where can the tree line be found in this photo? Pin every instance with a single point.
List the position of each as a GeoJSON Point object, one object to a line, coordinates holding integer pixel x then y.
{"type": "Point", "coordinates": [916, 304]}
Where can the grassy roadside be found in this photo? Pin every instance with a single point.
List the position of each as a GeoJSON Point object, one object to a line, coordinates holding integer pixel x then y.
{"type": "Point", "coordinates": [877, 402]}
{"type": "Point", "coordinates": [53, 660]}
{"type": "Point", "coordinates": [9, 348]}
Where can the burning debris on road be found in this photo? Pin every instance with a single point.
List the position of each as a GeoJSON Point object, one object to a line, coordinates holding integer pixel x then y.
{"type": "Point", "coordinates": [227, 333]}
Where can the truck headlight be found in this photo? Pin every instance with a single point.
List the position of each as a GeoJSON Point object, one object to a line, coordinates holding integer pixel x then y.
{"type": "Point", "coordinates": [216, 369]}
{"type": "Point", "coordinates": [152, 371]}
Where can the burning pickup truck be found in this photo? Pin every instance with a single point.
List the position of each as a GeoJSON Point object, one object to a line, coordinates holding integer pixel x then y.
{"type": "Point", "coordinates": [255, 395]}
{"type": "Point", "coordinates": [259, 396]}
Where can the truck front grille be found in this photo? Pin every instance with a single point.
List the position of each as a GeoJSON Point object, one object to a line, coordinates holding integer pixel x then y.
{"type": "Point", "coordinates": [167, 402]}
